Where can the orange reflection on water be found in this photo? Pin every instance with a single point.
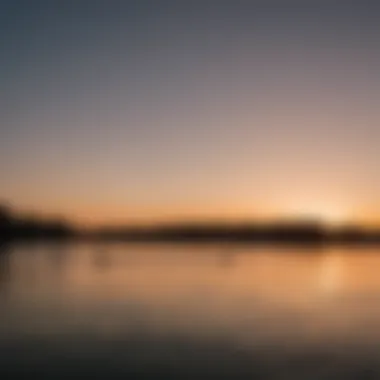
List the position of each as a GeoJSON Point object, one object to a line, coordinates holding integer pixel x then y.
{"type": "Point", "coordinates": [247, 293]}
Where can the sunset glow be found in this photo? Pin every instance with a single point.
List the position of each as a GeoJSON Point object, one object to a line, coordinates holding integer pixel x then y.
{"type": "Point", "coordinates": [190, 189]}
{"type": "Point", "coordinates": [142, 114]}
{"type": "Point", "coordinates": [328, 214]}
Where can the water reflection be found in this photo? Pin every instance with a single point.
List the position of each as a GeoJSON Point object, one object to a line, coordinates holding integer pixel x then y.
{"type": "Point", "coordinates": [331, 273]}
{"type": "Point", "coordinates": [246, 297]}
{"type": "Point", "coordinates": [4, 265]}
{"type": "Point", "coordinates": [227, 257]}
{"type": "Point", "coordinates": [102, 259]}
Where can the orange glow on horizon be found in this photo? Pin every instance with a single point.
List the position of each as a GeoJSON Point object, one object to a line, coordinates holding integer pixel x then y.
{"type": "Point", "coordinates": [144, 216]}
{"type": "Point", "coordinates": [94, 214]}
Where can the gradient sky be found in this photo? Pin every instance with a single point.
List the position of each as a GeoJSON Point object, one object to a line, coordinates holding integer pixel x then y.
{"type": "Point", "coordinates": [154, 110]}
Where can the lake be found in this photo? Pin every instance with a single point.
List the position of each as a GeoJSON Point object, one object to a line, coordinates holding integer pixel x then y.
{"type": "Point", "coordinates": [177, 311]}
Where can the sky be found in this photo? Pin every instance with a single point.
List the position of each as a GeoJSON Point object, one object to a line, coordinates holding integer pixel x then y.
{"type": "Point", "coordinates": [141, 111]}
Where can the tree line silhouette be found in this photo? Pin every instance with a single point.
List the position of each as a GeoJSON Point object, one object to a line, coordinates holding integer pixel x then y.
{"type": "Point", "coordinates": [16, 227]}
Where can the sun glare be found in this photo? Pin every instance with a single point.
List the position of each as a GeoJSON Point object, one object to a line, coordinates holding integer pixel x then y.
{"type": "Point", "coordinates": [325, 213]}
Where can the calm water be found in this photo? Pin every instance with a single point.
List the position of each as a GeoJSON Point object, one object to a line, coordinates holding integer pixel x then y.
{"type": "Point", "coordinates": [183, 311]}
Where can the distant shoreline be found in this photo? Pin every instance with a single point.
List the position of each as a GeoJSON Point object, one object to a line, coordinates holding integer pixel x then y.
{"type": "Point", "coordinates": [14, 227]}
{"type": "Point", "coordinates": [169, 236]}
